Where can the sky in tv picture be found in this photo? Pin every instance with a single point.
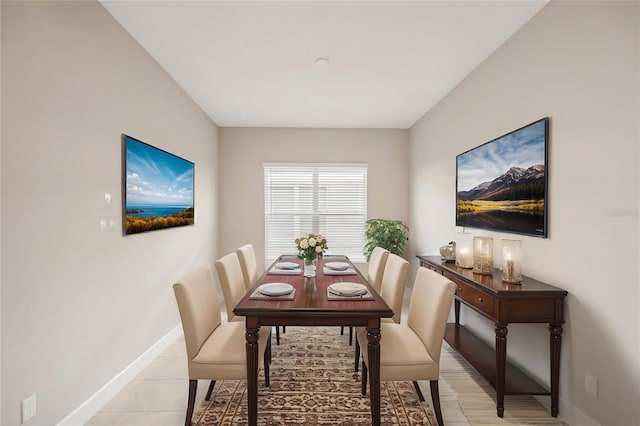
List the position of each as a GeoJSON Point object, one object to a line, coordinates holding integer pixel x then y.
{"type": "Point", "coordinates": [157, 178]}
{"type": "Point", "coordinates": [522, 148]}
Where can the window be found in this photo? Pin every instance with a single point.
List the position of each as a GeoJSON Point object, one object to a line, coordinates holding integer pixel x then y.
{"type": "Point", "coordinates": [321, 198]}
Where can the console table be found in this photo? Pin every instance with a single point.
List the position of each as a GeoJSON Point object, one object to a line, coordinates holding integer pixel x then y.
{"type": "Point", "coordinates": [529, 302]}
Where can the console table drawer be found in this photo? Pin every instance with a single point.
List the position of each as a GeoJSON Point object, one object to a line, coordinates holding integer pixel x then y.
{"type": "Point", "coordinates": [474, 297]}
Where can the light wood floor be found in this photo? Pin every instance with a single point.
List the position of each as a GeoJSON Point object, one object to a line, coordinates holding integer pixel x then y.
{"type": "Point", "coordinates": [158, 396]}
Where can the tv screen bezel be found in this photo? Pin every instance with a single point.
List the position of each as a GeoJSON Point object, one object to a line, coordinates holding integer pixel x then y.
{"type": "Point", "coordinates": [500, 139]}
{"type": "Point", "coordinates": [184, 221]}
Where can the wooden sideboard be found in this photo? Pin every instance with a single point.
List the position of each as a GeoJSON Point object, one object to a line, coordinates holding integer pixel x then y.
{"type": "Point", "coordinates": [529, 302]}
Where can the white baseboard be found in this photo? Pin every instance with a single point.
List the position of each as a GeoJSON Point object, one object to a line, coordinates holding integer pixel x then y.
{"type": "Point", "coordinates": [91, 406]}
{"type": "Point", "coordinates": [567, 412]}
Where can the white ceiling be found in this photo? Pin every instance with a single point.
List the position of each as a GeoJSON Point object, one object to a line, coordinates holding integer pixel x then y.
{"type": "Point", "coordinates": [251, 64]}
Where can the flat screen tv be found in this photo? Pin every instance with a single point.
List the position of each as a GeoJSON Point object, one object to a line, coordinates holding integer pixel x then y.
{"type": "Point", "coordinates": [158, 188]}
{"type": "Point", "coordinates": [501, 185]}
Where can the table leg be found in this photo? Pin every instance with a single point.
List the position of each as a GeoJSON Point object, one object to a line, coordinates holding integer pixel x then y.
{"type": "Point", "coordinates": [252, 370]}
{"type": "Point", "coordinates": [456, 306]}
{"type": "Point", "coordinates": [501, 364]}
{"type": "Point", "coordinates": [373, 337]}
{"type": "Point", "coordinates": [555, 336]}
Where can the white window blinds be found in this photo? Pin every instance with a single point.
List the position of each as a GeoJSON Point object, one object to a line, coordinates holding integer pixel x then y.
{"type": "Point", "coordinates": [327, 199]}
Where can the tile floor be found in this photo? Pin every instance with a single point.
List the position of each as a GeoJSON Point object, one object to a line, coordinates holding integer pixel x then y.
{"type": "Point", "coordinates": [158, 396]}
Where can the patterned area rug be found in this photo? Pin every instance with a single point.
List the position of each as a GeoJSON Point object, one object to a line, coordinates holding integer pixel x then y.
{"type": "Point", "coordinates": [313, 383]}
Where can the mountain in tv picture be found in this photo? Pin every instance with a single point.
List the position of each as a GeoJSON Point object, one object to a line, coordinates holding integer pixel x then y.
{"type": "Point", "coordinates": [515, 184]}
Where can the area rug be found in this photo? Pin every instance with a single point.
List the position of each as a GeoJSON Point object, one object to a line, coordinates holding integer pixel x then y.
{"type": "Point", "coordinates": [313, 383]}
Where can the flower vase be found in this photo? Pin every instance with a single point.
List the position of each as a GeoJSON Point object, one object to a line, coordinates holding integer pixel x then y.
{"type": "Point", "coordinates": [309, 268]}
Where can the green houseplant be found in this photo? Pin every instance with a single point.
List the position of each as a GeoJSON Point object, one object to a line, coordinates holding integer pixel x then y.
{"type": "Point", "coordinates": [385, 233]}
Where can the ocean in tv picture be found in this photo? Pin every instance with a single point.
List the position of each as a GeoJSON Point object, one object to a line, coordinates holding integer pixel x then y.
{"type": "Point", "coordinates": [155, 211]}
{"type": "Point", "coordinates": [512, 221]}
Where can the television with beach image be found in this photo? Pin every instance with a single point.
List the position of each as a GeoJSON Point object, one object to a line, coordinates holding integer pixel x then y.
{"type": "Point", "coordinates": [158, 188]}
{"type": "Point", "coordinates": [502, 184]}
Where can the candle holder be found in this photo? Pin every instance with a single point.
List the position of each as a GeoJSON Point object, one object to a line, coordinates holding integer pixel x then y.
{"type": "Point", "coordinates": [464, 250]}
{"type": "Point", "coordinates": [483, 255]}
{"type": "Point", "coordinates": [512, 261]}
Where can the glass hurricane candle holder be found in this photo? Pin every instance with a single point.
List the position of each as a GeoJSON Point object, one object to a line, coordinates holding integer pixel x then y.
{"type": "Point", "coordinates": [464, 250]}
{"type": "Point", "coordinates": [512, 261]}
{"type": "Point", "coordinates": [483, 255]}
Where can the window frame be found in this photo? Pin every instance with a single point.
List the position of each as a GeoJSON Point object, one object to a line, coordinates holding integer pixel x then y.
{"type": "Point", "coordinates": [314, 211]}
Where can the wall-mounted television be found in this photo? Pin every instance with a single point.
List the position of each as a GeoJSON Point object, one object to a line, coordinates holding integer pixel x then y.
{"type": "Point", "coordinates": [158, 188]}
{"type": "Point", "coordinates": [502, 184]}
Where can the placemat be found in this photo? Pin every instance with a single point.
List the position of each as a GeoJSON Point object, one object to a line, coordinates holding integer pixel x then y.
{"type": "Point", "coordinates": [278, 271]}
{"type": "Point", "coordinates": [328, 271]}
{"type": "Point", "coordinates": [332, 296]}
{"type": "Point", "coordinates": [256, 295]}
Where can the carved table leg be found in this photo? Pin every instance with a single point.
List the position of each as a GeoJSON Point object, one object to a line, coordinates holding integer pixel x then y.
{"type": "Point", "coordinates": [373, 336]}
{"type": "Point", "coordinates": [555, 336]}
{"type": "Point", "coordinates": [501, 363]}
{"type": "Point", "coordinates": [252, 370]}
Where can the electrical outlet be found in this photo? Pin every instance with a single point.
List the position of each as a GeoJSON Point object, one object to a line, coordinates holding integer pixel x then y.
{"type": "Point", "coordinates": [28, 408]}
{"type": "Point", "coordinates": [591, 384]}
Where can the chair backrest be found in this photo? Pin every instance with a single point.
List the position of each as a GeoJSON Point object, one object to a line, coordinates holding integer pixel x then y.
{"type": "Point", "coordinates": [199, 308]}
{"type": "Point", "coordinates": [377, 262]}
{"type": "Point", "coordinates": [429, 308]}
{"type": "Point", "coordinates": [231, 281]}
{"type": "Point", "coordinates": [394, 281]}
{"type": "Point", "coordinates": [249, 265]}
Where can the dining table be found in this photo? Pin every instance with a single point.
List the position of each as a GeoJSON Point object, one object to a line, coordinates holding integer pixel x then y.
{"type": "Point", "coordinates": [312, 302]}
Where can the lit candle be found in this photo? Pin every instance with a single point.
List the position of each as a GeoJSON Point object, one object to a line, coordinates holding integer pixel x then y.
{"type": "Point", "coordinates": [464, 253]}
{"type": "Point", "coordinates": [512, 261]}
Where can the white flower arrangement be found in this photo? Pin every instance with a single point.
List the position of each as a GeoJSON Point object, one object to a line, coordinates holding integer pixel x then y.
{"type": "Point", "coordinates": [311, 246]}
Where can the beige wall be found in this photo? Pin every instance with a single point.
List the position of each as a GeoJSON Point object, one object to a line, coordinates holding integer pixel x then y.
{"type": "Point", "coordinates": [243, 150]}
{"type": "Point", "coordinates": [578, 63]}
{"type": "Point", "coordinates": [80, 304]}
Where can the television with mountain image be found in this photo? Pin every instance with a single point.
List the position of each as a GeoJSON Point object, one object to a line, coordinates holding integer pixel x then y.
{"type": "Point", "coordinates": [501, 185]}
{"type": "Point", "coordinates": [158, 188]}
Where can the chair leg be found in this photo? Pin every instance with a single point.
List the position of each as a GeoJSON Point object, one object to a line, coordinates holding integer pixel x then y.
{"type": "Point", "coordinates": [268, 349]}
{"type": "Point", "coordinates": [267, 360]}
{"type": "Point", "coordinates": [210, 390]}
{"type": "Point", "coordinates": [350, 335]}
{"type": "Point", "coordinates": [277, 334]}
{"type": "Point", "coordinates": [365, 373]}
{"type": "Point", "coordinates": [193, 386]}
{"type": "Point", "coordinates": [418, 390]}
{"type": "Point", "coordinates": [435, 398]}
{"type": "Point", "coordinates": [357, 356]}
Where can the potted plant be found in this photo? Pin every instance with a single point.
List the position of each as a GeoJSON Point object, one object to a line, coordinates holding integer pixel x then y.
{"type": "Point", "coordinates": [386, 233]}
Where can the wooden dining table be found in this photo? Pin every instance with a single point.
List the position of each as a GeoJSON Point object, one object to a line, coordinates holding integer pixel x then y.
{"type": "Point", "coordinates": [312, 305]}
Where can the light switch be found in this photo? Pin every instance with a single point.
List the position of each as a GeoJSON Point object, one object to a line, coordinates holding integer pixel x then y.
{"type": "Point", "coordinates": [107, 198]}
{"type": "Point", "coordinates": [103, 224]}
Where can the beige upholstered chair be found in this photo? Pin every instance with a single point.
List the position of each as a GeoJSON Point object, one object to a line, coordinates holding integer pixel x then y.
{"type": "Point", "coordinates": [247, 257]}
{"type": "Point", "coordinates": [394, 281]}
{"type": "Point", "coordinates": [411, 351]}
{"type": "Point", "coordinates": [249, 265]}
{"type": "Point", "coordinates": [375, 270]}
{"type": "Point", "coordinates": [232, 283]}
{"type": "Point", "coordinates": [215, 350]}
